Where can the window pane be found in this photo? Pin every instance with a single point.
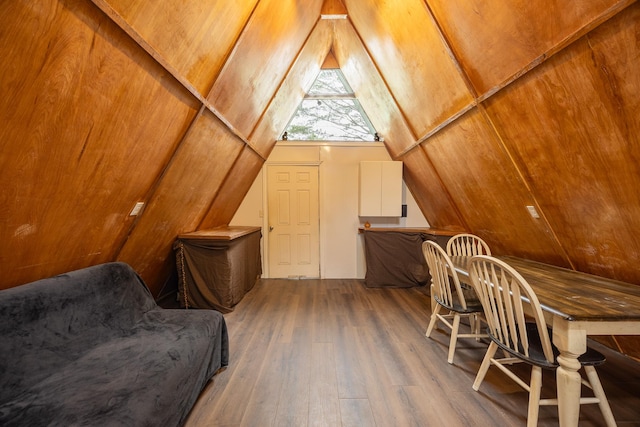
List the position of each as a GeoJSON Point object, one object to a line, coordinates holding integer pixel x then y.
{"type": "Point", "coordinates": [330, 112]}
{"type": "Point", "coordinates": [330, 82]}
{"type": "Point", "coordinates": [330, 120]}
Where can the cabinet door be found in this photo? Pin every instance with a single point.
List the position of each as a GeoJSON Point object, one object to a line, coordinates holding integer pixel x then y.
{"type": "Point", "coordinates": [391, 189]}
{"type": "Point", "coordinates": [370, 184]}
{"type": "Point", "coordinates": [380, 188]}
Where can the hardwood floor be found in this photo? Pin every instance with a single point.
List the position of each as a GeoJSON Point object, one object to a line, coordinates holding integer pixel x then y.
{"type": "Point", "coordinates": [335, 353]}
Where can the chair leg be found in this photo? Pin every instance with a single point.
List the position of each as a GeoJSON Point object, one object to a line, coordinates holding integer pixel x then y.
{"type": "Point", "coordinates": [484, 367]}
{"type": "Point", "coordinates": [434, 303]}
{"type": "Point", "coordinates": [598, 391]}
{"type": "Point", "coordinates": [454, 337]}
{"type": "Point", "coordinates": [434, 319]}
{"type": "Point", "coordinates": [476, 325]}
{"type": "Point", "coordinates": [472, 323]}
{"type": "Point", "coordinates": [535, 387]}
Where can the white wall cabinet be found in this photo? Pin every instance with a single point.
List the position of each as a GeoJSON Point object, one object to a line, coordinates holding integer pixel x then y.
{"type": "Point", "coordinates": [380, 188]}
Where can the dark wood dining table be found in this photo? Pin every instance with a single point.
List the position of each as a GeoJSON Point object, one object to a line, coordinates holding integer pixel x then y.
{"type": "Point", "coordinates": [575, 305]}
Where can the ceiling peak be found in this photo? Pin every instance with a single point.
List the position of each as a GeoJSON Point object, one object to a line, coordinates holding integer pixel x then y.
{"type": "Point", "coordinates": [330, 62]}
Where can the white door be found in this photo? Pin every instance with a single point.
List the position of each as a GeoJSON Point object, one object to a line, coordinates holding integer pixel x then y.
{"type": "Point", "coordinates": [293, 221]}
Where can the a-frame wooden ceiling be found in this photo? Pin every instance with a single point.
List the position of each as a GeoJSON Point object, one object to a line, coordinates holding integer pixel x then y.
{"type": "Point", "coordinates": [491, 105]}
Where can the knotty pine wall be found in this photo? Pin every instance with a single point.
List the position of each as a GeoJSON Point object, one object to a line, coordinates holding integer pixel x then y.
{"type": "Point", "coordinates": [491, 105]}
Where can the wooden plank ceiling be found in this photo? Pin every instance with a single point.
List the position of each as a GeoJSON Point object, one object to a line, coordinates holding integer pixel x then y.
{"type": "Point", "coordinates": [492, 107]}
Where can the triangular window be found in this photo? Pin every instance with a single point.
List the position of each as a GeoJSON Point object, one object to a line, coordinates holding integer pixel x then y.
{"type": "Point", "coordinates": [330, 112]}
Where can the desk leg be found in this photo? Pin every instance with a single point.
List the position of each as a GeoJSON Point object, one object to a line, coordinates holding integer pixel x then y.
{"type": "Point", "coordinates": [571, 343]}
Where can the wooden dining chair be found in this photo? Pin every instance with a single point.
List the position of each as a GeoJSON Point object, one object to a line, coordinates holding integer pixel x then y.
{"type": "Point", "coordinates": [465, 244]}
{"type": "Point", "coordinates": [506, 297]}
{"type": "Point", "coordinates": [448, 295]}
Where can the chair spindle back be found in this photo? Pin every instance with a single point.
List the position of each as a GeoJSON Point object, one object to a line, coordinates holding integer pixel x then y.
{"type": "Point", "coordinates": [467, 245]}
{"type": "Point", "coordinates": [443, 275]}
{"type": "Point", "coordinates": [505, 295]}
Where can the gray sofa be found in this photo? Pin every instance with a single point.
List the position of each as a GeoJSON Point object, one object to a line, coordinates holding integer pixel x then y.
{"type": "Point", "coordinates": [92, 348]}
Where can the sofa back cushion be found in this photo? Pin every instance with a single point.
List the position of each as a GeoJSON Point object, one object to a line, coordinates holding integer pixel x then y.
{"type": "Point", "coordinates": [51, 322]}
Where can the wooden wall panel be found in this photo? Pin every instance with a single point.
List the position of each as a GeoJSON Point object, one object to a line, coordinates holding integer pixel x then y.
{"type": "Point", "coordinates": [182, 197]}
{"type": "Point", "coordinates": [415, 63]}
{"type": "Point", "coordinates": [431, 196]}
{"type": "Point", "coordinates": [235, 187]}
{"type": "Point", "coordinates": [194, 37]}
{"type": "Point", "coordinates": [261, 59]}
{"type": "Point", "coordinates": [488, 190]}
{"type": "Point", "coordinates": [298, 81]}
{"type": "Point", "coordinates": [573, 128]}
{"type": "Point", "coordinates": [496, 41]}
{"type": "Point", "coordinates": [370, 89]}
{"type": "Point", "coordinates": [88, 123]}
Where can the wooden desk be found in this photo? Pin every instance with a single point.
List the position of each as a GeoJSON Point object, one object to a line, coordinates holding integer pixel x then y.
{"type": "Point", "coordinates": [394, 257]}
{"type": "Point", "coordinates": [217, 267]}
{"type": "Point", "coordinates": [576, 305]}
{"type": "Point", "coordinates": [227, 232]}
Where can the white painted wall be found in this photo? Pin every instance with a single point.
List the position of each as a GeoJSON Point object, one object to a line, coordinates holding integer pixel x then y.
{"type": "Point", "coordinates": [341, 247]}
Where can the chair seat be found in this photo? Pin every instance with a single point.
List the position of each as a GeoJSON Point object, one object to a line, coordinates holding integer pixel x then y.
{"type": "Point", "coordinates": [472, 306]}
{"type": "Point", "coordinates": [536, 356]}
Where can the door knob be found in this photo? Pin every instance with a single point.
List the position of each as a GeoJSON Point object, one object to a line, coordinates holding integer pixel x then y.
{"type": "Point", "coordinates": [271, 228]}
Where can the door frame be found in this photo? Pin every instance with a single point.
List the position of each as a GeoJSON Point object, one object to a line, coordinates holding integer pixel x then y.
{"type": "Point", "coordinates": [265, 210]}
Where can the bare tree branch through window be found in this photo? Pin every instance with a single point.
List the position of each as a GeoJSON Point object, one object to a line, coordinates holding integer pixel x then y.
{"type": "Point", "coordinates": [330, 112]}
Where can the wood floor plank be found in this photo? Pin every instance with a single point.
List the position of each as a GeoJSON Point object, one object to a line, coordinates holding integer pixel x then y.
{"type": "Point", "coordinates": [293, 402]}
{"type": "Point", "coordinates": [425, 407]}
{"type": "Point", "coordinates": [356, 413]}
{"type": "Point", "coordinates": [262, 403]}
{"type": "Point", "coordinates": [335, 353]}
{"type": "Point", "coordinates": [384, 402]}
{"type": "Point", "coordinates": [351, 376]}
{"type": "Point", "coordinates": [389, 406]}
{"type": "Point", "coordinates": [381, 345]}
{"type": "Point", "coordinates": [324, 404]}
